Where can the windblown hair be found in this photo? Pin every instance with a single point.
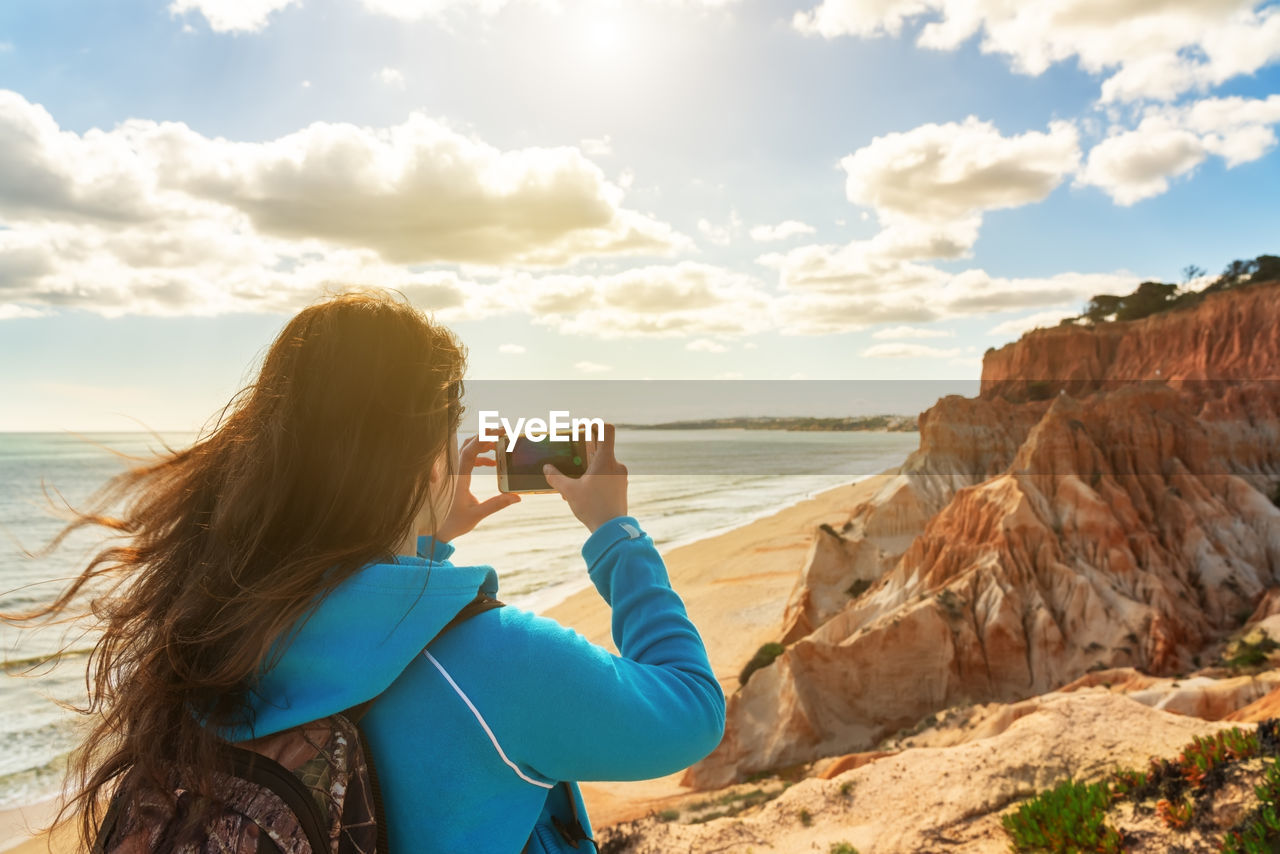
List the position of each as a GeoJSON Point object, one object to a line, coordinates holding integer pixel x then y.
{"type": "Point", "coordinates": [320, 467]}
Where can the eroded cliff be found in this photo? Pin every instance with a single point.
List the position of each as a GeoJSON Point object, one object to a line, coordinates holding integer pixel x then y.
{"type": "Point", "coordinates": [1104, 503]}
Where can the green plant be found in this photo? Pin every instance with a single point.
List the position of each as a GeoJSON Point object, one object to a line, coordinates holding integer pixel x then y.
{"type": "Point", "coordinates": [1124, 782]}
{"type": "Point", "coordinates": [842, 848]}
{"type": "Point", "coordinates": [1258, 836]}
{"type": "Point", "coordinates": [763, 658]}
{"type": "Point", "coordinates": [1251, 653]}
{"type": "Point", "coordinates": [1199, 758]}
{"type": "Point", "coordinates": [806, 818]}
{"type": "Point", "coordinates": [668, 815]}
{"type": "Point", "coordinates": [846, 788]}
{"type": "Point", "coordinates": [1259, 831]}
{"type": "Point", "coordinates": [1069, 818]}
{"type": "Point", "coordinates": [1176, 815]}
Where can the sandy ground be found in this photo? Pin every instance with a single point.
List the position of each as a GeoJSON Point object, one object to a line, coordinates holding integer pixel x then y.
{"type": "Point", "coordinates": [16, 826]}
{"type": "Point", "coordinates": [734, 586]}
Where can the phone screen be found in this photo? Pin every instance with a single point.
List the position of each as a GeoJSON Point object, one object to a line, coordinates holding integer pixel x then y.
{"type": "Point", "coordinates": [524, 462]}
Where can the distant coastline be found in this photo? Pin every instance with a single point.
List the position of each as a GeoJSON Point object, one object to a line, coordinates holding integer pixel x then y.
{"type": "Point", "coordinates": [888, 423]}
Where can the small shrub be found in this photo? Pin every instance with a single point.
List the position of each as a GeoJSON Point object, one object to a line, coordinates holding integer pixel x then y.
{"type": "Point", "coordinates": [1070, 817]}
{"type": "Point", "coordinates": [1268, 734]}
{"type": "Point", "coordinates": [668, 815]}
{"type": "Point", "coordinates": [842, 848]}
{"type": "Point", "coordinates": [763, 658]}
{"type": "Point", "coordinates": [1259, 831]}
{"type": "Point", "coordinates": [1200, 757]}
{"type": "Point", "coordinates": [1125, 781]}
{"type": "Point", "coordinates": [1258, 835]}
{"type": "Point", "coordinates": [951, 603]}
{"type": "Point", "coordinates": [858, 587]}
{"type": "Point", "coordinates": [846, 788]}
{"type": "Point", "coordinates": [1175, 815]}
{"type": "Point", "coordinates": [1251, 653]}
{"type": "Point", "coordinates": [806, 818]}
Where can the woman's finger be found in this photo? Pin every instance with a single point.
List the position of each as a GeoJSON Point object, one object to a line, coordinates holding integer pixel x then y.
{"type": "Point", "coordinates": [467, 453]}
{"type": "Point", "coordinates": [604, 452]}
{"type": "Point", "coordinates": [496, 503]}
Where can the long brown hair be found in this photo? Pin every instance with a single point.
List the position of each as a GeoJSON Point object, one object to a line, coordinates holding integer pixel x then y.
{"type": "Point", "coordinates": [316, 469]}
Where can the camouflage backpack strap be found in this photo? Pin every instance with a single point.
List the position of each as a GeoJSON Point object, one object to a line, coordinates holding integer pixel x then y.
{"type": "Point", "coordinates": [284, 784]}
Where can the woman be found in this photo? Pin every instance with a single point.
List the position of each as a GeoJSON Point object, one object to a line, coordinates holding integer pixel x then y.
{"type": "Point", "coordinates": [295, 562]}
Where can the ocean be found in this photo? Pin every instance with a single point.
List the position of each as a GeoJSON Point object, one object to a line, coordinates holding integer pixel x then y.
{"type": "Point", "coordinates": [534, 545]}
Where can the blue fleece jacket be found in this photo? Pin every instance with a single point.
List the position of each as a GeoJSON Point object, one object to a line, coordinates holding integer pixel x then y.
{"type": "Point", "coordinates": [473, 735]}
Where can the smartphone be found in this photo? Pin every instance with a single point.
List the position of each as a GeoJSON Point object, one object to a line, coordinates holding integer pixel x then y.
{"type": "Point", "coordinates": [520, 469]}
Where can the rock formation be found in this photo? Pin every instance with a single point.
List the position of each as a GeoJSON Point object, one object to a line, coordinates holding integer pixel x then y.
{"type": "Point", "coordinates": [1104, 503]}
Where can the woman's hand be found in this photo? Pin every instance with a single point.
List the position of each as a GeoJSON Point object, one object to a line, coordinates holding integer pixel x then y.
{"type": "Point", "coordinates": [601, 493]}
{"type": "Point", "coordinates": [467, 511]}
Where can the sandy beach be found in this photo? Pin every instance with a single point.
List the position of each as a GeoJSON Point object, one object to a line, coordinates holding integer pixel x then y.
{"type": "Point", "coordinates": [734, 584]}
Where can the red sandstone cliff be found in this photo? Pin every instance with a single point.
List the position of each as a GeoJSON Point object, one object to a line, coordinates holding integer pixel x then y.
{"type": "Point", "coordinates": [1067, 520]}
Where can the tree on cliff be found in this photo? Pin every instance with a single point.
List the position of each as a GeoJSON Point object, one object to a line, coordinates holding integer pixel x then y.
{"type": "Point", "coordinates": [1149, 298]}
{"type": "Point", "coordinates": [1154, 297]}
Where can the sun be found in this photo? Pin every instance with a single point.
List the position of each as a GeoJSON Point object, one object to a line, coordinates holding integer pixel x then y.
{"type": "Point", "coordinates": [602, 34]}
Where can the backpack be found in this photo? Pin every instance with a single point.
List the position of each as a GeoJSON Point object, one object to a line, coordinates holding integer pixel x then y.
{"type": "Point", "coordinates": [311, 789]}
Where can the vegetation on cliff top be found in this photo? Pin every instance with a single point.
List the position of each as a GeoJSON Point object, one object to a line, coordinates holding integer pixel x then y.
{"type": "Point", "coordinates": [1186, 790]}
{"type": "Point", "coordinates": [1155, 297]}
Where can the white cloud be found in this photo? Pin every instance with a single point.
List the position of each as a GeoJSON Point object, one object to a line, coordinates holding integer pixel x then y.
{"type": "Point", "coordinates": [156, 219]}
{"type": "Point", "coordinates": [954, 171]}
{"type": "Point", "coordinates": [601, 146]}
{"type": "Point", "coordinates": [391, 77]}
{"type": "Point", "coordinates": [418, 192]}
{"type": "Point", "coordinates": [721, 235]}
{"type": "Point", "coordinates": [781, 231]}
{"type": "Point", "coordinates": [511, 349]}
{"type": "Point", "coordinates": [929, 294]}
{"type": "Point", "coordinates": [306, 84]}
{"type": "Point", "coordinates": [911, 332]}
{"type": "Point", "coordinates": [1016, 326]}
{"type": "Point", "coordinates": [1132, 165]}
{"type": "Point", "coordinates": [226, 16]}
{"type": "Point", "coordinates": [705, 345]}
{"type": "Point", "coordinates": [1143, 49]}
{"type": "Point", "coordinates": [910, 351]}
{"type": "Point", "coordinates": [9, 312]}
{"type": "Point", "coordinates": [929, 187]}
{"type": "Point", "coordinates": [681, 300]}
{"type": "Point", "coordinates": [592, 367]}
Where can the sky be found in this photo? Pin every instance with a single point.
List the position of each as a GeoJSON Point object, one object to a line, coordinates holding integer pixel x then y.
{"type": "Point", "coordinates": [651, 189]}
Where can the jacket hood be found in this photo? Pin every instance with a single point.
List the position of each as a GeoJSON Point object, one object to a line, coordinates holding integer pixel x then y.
{"type": "Point", "coordinates": [360, 637]}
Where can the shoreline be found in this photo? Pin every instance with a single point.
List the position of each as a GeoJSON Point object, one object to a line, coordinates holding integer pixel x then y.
{"type": "Point", "coordinates": [735, 582]}
{"type": "Point", "coordinates": [571, 589]}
